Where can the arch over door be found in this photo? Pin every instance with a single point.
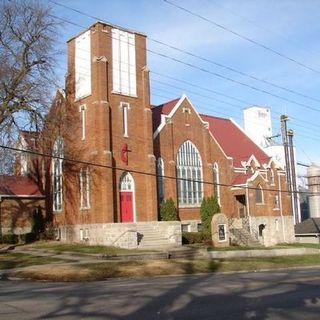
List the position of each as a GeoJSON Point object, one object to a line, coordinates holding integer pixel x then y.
{"type": "Point", "coordinates": [126, 197]}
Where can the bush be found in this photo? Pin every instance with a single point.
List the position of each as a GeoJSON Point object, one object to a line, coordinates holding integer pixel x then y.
{"type": "Point", "coordinates": [28, 237]}
{"type": "Point", "coordinates": [168, 211]}
{"type": "Point", "coordinates": [209, 207]}
{"type": "Point", "coordinates": [10, 238]}
{"type": "Point", "coordinates": [195, 237]}
{"type": "Point", "coordinates": [38, 222]}
{"type": "Point", "coordinates": [49, 232]}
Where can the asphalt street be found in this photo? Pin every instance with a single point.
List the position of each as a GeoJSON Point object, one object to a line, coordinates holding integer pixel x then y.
{"type": "Point", "coordinates": [285, 294]}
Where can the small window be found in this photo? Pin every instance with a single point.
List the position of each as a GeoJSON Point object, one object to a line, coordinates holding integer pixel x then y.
{"type": "Point", "coordinates": [81, 235]}
{"type": "Point", "coordinates": [185, 227]}
{"type": "Point", "coordinates": [259, 195]}
{"type": "Point", "coordinates": [276, 204]}
{"type": "Point", "coordinates": [83, 121]}
{"type": "Point", "coordinates": [125, 107]}
{"type": "Point", "coordinates": [272, 177]}
{"type": "Point", "coordinates": [86, 234]}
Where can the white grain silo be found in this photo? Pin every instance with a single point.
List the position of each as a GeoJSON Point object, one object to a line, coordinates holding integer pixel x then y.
{"type": "Point", "coordinates": [313, 174]}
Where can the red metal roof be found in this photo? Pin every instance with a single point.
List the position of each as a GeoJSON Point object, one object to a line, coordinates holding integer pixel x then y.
{"type": "Point", "coordinates": [242, 178]}
{"type": "Point", "coordinates": [234, 142]}
{"type": "Point", "coordinates": [18, 186]}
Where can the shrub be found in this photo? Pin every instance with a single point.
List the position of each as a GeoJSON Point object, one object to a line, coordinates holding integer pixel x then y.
{"type": "Point", "coordinates": [209, 207]}
{"type": "Point", "coordinates": [195, 237]}
{"type": "Point", "coordinates": [49, 232]}
{"type": "Point", "coordinates": [38, 222]}
{"type": "Point", "coordinates": [28, 237]}
{"type": "Point", "coordinates": [10, 238]}
{"type": "Point", "coordinates": [168, 211]}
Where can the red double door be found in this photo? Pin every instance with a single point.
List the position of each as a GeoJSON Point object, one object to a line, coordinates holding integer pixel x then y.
{"type": "Point", "coordinates": [126, 206]}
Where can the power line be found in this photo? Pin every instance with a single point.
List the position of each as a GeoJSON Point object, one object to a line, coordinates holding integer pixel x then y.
{"type": "Point", "coordinates": [205, 70]}
{"type": "Point", "coordinates": [202, 58]}
{"type": "Point", "coordinates": [261, 45]}
{"type": "Point", "coordinates": [88, 163]}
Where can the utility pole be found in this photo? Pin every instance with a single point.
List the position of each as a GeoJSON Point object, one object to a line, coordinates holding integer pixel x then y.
{"type": "Point", "coordinates": [287, 141]}
{"type": "Point", "coordinates": [293, 176]}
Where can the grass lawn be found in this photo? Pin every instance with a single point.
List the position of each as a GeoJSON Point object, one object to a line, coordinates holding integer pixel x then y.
{"type": "Point", "coordinates": [59, 247]}
{"type": "Point", "coordinates": [137, 269]}
{"type": "Point", "coordinates": [18, 260]}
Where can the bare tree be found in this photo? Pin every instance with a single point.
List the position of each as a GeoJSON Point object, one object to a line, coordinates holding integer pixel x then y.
{"type": "Point", "coordinates": [28, 33]}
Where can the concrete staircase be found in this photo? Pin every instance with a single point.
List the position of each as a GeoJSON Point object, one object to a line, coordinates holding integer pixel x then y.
{"type": "Point", "coordinates": [149, 236]}
{"type": "Point", "coordinates": [243, 237]}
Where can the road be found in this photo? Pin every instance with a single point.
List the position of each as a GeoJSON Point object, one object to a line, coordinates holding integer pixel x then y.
{"type": "Point", "coordinates": [285, 294]}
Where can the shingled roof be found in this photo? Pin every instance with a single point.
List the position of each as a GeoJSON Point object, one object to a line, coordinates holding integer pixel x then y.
{"type": "Point", "coordinates": [18, 186]}
{"type": "Point", "coordinates": [309, 226]}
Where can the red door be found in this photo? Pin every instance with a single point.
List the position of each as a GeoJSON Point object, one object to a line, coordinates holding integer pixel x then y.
{"type": "Point", "coordinates": [126, 206]}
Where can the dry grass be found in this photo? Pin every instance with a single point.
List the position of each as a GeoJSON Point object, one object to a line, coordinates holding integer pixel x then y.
{"type": "Point", "coordinates": [136, 269]}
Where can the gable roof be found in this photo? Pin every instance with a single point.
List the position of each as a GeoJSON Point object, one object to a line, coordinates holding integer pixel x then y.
{"type": "Point", "coordinates": [164, 108]}
{"type": "Point", "coordinates": [19, 186]}
{"type": "Point", "coordinates": [231, 138]}
{"type": "Point", "coordinates": [234, 141]}
{"type": "Point", "coordinates": [30, 137]}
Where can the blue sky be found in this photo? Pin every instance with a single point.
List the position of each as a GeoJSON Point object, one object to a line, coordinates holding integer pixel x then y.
{"type": "Point", "coordinates": [289, 27]}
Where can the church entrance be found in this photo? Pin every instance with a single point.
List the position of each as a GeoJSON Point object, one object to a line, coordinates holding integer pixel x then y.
{"type": "Point", "coordinates": [126, 198]}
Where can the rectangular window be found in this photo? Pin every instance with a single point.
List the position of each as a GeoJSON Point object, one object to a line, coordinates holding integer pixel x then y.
{"type": "Point", "coordinates": [83, 122]}
{"type": "Point", "coordinates": [84, 188]}
{"type": "Point", "coordinates": [125, 108]}
{"type": "Point", "coordinates": [81, 235]}
{"type": "Point", "coordinates": [124, 62]}
{"type": "Point", "coordinates": [276, 204]}
{"type": "Point", "coordinates": [83, 65]}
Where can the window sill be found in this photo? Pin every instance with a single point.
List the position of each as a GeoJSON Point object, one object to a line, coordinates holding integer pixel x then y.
{"type": "Point", "coordinates": [260, 204]}
{"type": "Point", "coordinates": [186, 206]}
{"type": "Point", "coordinates": [125, 94]}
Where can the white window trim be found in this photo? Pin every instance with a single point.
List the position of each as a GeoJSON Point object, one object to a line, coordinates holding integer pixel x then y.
{"type": "Point", "coordinates": [217, 172]}
{"type": "Point", "coordinates": [160, 178]}
{"type": "Point", "coordinates": [262, 195]}
{"type": "Point", "coordinates": [86, 189]}
{"type": "Point", "coordinates": [123, 187]}
{"type": "Point", "coordinates": [125, 107]}
{"type": "Point", "coordinates": [83, 115]}
{"type": "Point", "coordinates": [189, 175]}
{"type": "Point", "coordinates": [57, 205]}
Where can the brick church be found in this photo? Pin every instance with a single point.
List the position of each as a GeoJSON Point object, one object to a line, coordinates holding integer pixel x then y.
{"type": "Point", "coordinates": [116, 157]}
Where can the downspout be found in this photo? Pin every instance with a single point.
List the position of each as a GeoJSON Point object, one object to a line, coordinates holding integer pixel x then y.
{"type": "Point", "coordinates": [281, 213]}
{"type": "Point", "coordinates": [248, 206]}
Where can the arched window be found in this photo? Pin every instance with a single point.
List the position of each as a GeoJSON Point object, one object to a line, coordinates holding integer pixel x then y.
{"type": "Point", "coordinates": [216, 182]}
{"type": "Point", "coordinates": [160, 179]}
{"type": "Point", "coordinates": [259, 194]}
{"type": "Point", "coordinates": [126, 182]}
{"type": "Point", "coordinates": [57, 174]}
{"type": "Point", "coordinates": [189, 175]}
